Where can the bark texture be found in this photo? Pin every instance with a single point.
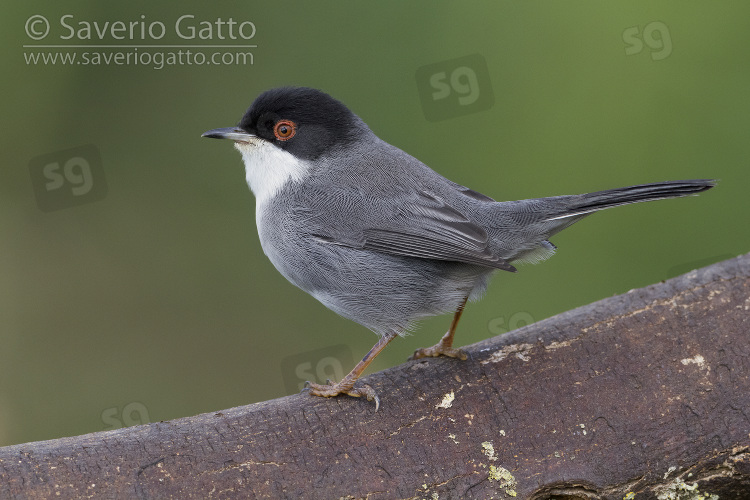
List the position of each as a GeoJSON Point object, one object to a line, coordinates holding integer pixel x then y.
{"type": "Point", "coordinates": [642, 395]}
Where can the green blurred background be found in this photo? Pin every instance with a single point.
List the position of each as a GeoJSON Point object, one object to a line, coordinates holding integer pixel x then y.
{"type": "Point", "coordinates": [155, 301]}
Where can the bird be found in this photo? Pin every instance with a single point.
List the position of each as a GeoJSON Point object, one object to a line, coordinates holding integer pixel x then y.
{"type": "Point", "coordinates": [379, 237]}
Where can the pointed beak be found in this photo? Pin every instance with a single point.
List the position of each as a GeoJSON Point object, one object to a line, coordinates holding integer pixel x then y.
{"type": "Point", "coordinates": [234, 133]}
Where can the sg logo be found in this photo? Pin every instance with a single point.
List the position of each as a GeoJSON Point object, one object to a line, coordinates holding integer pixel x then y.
{"type": "Point", "coordinates": [456, 87]}
{"type": "Point", "coordinates": [68, 178]}
{"type": "Point", "coordinates": [497, 326]}
{"type": "Point", "coordinates": [655, 35]}
{"type": "Point", "coordinates": [132, 414]}
{"type": "Point", "coordinates": [316, 366]}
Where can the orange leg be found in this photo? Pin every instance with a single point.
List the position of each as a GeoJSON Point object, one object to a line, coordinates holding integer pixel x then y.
{"type": "Point", "coordinates": [445, 346]}
{"type": "Point", "coordinates": [346, 386]}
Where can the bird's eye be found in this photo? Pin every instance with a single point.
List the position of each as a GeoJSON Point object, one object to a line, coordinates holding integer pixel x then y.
{"type": "Point", "coordinates": [284, 130]}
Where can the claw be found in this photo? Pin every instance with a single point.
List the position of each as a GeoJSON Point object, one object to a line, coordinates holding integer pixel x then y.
{"type": "Point", "coordinates": [438, 350]}
{"type": "Point", "coordinates": [346, 386]}
{"type": "Point", "coordinates": [369, 393]}
{"type": "Point", "coordinates": [331, 390]}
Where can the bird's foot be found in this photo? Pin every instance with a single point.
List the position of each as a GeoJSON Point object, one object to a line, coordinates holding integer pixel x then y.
{"type": "Point", "coordinates": [329, 390]}
{"type": "Point", "coordinates": [442, 348]}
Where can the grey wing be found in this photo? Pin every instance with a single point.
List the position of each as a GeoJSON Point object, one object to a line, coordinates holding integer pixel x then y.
{"type": "Point", "coordinates": [422, 226]}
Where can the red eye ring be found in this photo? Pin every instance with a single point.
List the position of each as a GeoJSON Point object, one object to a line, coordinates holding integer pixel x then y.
{"type": "Point", "coordinates": [284, 130]}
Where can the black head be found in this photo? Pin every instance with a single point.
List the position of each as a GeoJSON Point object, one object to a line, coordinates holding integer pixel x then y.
{"type": "Point", "coordinates": [303, 121]}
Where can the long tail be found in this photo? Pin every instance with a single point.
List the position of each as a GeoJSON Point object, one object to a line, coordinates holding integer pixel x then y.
{"type": "Point", "coordinates": [526, 225]}
{"type": "Point", "coordinates": [583, 204]}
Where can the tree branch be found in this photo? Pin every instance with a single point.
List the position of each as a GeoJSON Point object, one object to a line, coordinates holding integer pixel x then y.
{"type": "Point", "coordinates": [637, 393]}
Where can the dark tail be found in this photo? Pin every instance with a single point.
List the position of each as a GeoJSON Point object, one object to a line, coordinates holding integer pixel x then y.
{"type": "Point", "coordinates": [583, 204]}
{"type": "Point", "coordinates": [525, 226]}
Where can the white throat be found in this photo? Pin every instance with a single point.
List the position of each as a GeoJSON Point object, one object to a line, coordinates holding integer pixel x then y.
{"type": "Point", "coordinates": [268, 169]}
